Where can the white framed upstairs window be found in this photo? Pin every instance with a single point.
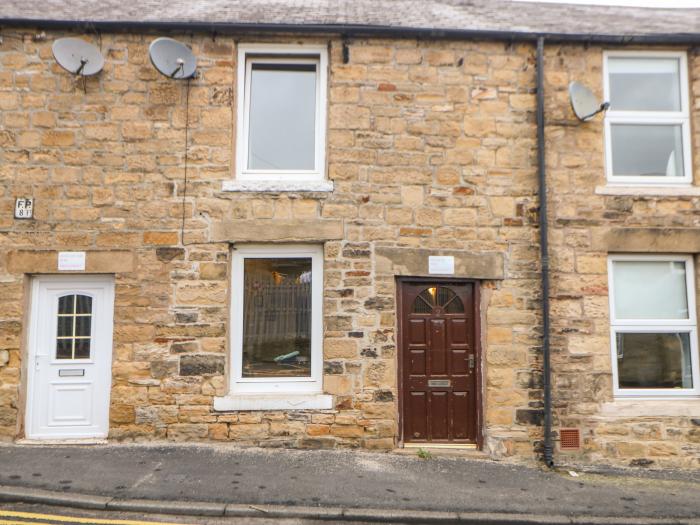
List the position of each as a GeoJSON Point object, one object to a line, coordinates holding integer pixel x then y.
{"type": "Point", "coordinates": [653, 321]}
{"type": "Point", "coordinates": [277, 319]}
{"type": "Point", "coordinates": [281, 132]}
{"type": "Point", "coordinates": [647, 128]}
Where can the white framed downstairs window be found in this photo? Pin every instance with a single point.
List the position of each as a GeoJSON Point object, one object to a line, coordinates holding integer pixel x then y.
{"type": "Point", "coordinates": [281, 132]}
{"type": "Point", "coordinates": [653, 326]}
{"type": "Point", "coordinates": [276, 319]}
{"type": "Point", "coordinates": [647, 128]}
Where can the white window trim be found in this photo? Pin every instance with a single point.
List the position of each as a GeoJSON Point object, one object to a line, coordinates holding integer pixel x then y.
{"type": "Point", "coordinates": [655, 326]}
{"type": "Point", "coordinates": [286, 53]}
{"type": "Point", "coordinates": [650, 117]}
{"type": "Point", "coordinates": [287, 385]}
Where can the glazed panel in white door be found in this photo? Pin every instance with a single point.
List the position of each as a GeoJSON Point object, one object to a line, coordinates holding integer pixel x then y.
{"type": "Point", "coordinates": [70, 357]}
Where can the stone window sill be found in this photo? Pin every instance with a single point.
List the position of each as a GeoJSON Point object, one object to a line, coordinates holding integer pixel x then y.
{"type": "Point", "coordinates": [277, 186]}
{"type": "Point", "coordinates": [651, 407]}
{"type": "Point", "coordinates": [649, 191]}
{"type": "Point", "coordinates": [293, 401]}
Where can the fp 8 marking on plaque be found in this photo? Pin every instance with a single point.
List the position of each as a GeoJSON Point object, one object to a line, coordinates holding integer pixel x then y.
{"type": "Point", "coordinates": [24, 208]}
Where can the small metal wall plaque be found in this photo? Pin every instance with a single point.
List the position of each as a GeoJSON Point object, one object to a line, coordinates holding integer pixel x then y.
{"type": "Point", "coordinates": [71, 372]}
{"type": "Point", "coordinates": [444, 265]}
{"type": "Point", "coordinates": [24, 208]}
{"type": "Point", "coordinates": [438, 382]}
{"type": "Point", "coordinates": [71, 261]}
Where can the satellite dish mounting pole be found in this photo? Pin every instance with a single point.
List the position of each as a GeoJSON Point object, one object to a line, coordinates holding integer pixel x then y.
{"type": "Point", "coordinates": [180, 66]}
{"type": "Point", "coordinates": [603, 107]}
{"type": "Point", "coordinates": [83, 61]}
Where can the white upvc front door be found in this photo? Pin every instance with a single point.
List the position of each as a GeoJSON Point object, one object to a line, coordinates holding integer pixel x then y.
{"type": "Point", "coordinates": [69, 357]}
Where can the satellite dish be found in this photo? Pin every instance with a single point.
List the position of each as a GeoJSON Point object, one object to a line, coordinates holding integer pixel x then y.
{"type": "Point", "coordinates": [172, 58]}
{"type": "Point", "coordinates": [584, 102]}
{"type": "Point", "coordinates": [78, 56]}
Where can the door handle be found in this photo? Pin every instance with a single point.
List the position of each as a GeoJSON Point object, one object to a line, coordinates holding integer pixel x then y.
{"type": "Point", "coordinates": [37, 361]}
{"type": "Point", "coordinates": [471, 361]}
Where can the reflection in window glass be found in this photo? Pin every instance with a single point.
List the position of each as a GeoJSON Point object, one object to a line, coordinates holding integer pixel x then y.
{"type": "Point", "coordinates": [644, 84]}
{"type": "Point", "coordinates": [65, 326]}
{"type": "Point", "coordinates": [654, 360]}
{"type": "Point", "coordinates": [82, 348]}
{"type": "Point", "coordinates": [82, 326]}
{"type": "Point", "coordinates": [282, 116]}
{"type": "Point", "coordinates": [64, 348]}
{"type": "Point", "coordinates": [455, 306]}
{"type": "Point", "coordinates": [73, 330]}
{"type": "Point", "coordinates": [277, 317]}
{"type": "Point", "coordinates": [647, 150]}
{"type": "Point", "coordinates": [650, 290]}
{"type": "Point", "coordinates": [66, 304]}
{"type": "Point", "coordinates": [423, 303]}
{"type": "Point", "coordinates": [83, 304]}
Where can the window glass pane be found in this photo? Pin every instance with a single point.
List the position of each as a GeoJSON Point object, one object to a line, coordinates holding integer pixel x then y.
{"type": "Point", "coordinates": [444, 295]}
{"type": "Point", "coordinates": [82, 325]}
{"type": "Point", "coordinates": [644, 84]}
{"type": "Point", "coordinates": [650, 290]}
{"type": "Point", "coordinates": [65, 304]}
{"type": "Point", "coordinates": [82, 349]}
{"type": "Point", "coordinates": [455, 306]}
{"type": "Point", "coordinates": [277, 318]}
{"type": "Point", "coordinates": [423, 303]}
{"type": "Point", "coordinates": [647, 150]}
{"type": "Point", "coordinates": [64, 348]}
{"type": "Point", "coordinates": [439, 296]}
{"type": "Point", "coordinates": [65, 326]}
{"type": "Point", "coordinates": [647, 360]}
{"type": "Point", "coordinates": [282, 120]}
{"type": "Point", "coordinates": [83, 304]}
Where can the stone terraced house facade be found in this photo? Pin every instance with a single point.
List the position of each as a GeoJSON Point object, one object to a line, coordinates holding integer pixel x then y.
{"type": "Point", "coordinates": [330, 237]}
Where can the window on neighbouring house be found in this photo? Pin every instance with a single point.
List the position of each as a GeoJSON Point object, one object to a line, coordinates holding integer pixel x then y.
{"type": "Point", "coordinates": [281, 127]}
{"type": "Point", "coordinates": [653, 326]}
{"type": "Point", "coordinates": [276, 309]}
{"type": "Point", "coordinates": [647, 126]}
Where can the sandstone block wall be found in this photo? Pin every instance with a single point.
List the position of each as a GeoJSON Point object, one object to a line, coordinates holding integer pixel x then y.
{"type": "Point", "coordinates": [430, 145]}
{"type": "Point", "coordinates": [658, 433]}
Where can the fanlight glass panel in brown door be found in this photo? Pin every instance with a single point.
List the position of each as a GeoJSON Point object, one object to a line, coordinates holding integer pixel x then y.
{"type": "Point", "coordinates": [438, 297]}
{"type": "Point", "coordinates": [74, 327]}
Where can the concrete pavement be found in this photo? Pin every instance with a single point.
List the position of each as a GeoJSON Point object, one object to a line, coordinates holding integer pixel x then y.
{"type": "Point", "coordinates": [335, 485]}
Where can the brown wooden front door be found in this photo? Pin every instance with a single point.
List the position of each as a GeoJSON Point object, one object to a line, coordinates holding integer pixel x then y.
{"type": "Point", "coordinates": [439, 361]}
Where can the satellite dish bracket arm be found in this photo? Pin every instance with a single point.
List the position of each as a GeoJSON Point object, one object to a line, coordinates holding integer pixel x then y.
{"type": "Point", "coordinates": [83, 61]}
{"type": "Point", "coordinates": [603, 107]}
{"type": "Point", "coordinates": [178, 69]}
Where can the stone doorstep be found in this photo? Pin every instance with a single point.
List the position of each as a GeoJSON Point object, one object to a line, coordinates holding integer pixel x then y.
{"type": "Point", "coordinates": [467, 453]}
{"type": "Point", "coordinates": [55, 442]}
